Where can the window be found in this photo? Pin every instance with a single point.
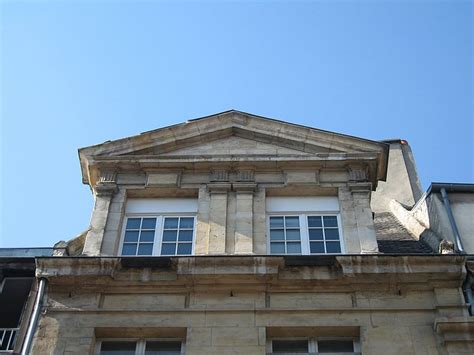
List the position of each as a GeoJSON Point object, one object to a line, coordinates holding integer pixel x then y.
{"type": "Point", "coordinates": [140, 347]}
{"type": "Point", "coordinates": [304, 225]}
{"type": "Point", "coordinates": [152, 227]}
{"type": "Point", "coordinates": [160, 235]}
{"type": "Point", "coordinates": [305, 234]}
{"type": "Point", "coordinates": [313, 346]}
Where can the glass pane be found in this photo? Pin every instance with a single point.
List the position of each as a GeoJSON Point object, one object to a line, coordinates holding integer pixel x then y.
{"type": "Point", "coordinates": [331, 234]}
{"type": "Point", "coordinates": [145, 249]}
{"type": "Point", "coordinates": [292, 234]}
{"type": "Point", "coordinates": [276, 222]}
{"type": "Point", "coordinates": [186, 222]}
{"type": "Point", "coordinates": [133, 223]}
{"type": "Point", "coordinates": [129, 249]}
{"type": "Point", "coordinates": [118, 348]}
{"type": "Point", "coordinates": [277, 248]}
{"type": "Point", "coordinates": [314, 221]}
{"type": "Point", "coordinates": [131, 237]}
{"type": "Point", "coordinates": [293, 248]}
{"type": "Point", "coordinates": [335, 346]}
{"type": "Point", "coordinates": [333, 247]}
{"type": "Point", "coordinates": [170, 236]}
{"type": "Point", "coordinates": [290, 346]}
{"type": "Point", "coordinates": [147, 236]}
{"type": "Point", "coordinates": [292, 222]}
{"type": "Point", "coordinates": [315, 234]}
{"type": "Point", "coordinates": [168, 249]}
{"type": "Point", "coordinates": [185, 248]}
{"type": "Point", "coordinates": [185, 236]}
{"type": "Point", "coordinates": [171, 223]}
{"type": "Point", "coordinates": [277, 234]}
{"type": "Point", "coordinates": [149, 223]}
{"type": "Point", "coordinates": [163, 347]}
{"type": "Point", "coordinates": [330, 221]}
{"type": "Point", "coordinates": [316, 247]}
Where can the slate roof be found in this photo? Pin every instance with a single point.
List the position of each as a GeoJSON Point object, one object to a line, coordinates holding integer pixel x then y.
{"type": "Point", "coordinates": [393, 238]}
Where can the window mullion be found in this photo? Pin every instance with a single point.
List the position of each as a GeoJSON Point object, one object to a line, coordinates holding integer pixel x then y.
{"type": "Point", "coordinates": [158, 235]}
{"type": "Point", "coordinates": [140, 349]}
{"type": "Point", "coordinates": [304, 235]}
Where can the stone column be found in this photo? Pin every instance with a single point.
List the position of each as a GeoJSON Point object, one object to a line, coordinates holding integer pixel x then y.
{"type": "Point", "coordinates": [217, 216]}
{"type": "Point", "coordinates": [104, 192]}
{"type": "Point", "coordinates": [244, 217]}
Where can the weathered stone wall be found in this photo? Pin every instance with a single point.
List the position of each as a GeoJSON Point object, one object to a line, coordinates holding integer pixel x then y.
{"type": "Point", "coordinates": [231, 217]}
{"type": "Point", "coordinates": [233, 305]}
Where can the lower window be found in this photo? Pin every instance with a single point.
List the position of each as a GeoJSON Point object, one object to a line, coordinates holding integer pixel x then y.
{"type": "Point", "coordinates": [313, 346]}
{"type": "Point", "coordinates": [140, 347]}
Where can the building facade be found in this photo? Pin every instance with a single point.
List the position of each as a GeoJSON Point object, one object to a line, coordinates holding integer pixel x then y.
{"type": "Point", "coordinates": [238, 234]}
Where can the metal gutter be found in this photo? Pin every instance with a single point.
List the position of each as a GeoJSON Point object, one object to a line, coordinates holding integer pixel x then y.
{"type": "Point", "coordinates": [34, 317]}
{"type": "Point", "coordinates": [452, 221]}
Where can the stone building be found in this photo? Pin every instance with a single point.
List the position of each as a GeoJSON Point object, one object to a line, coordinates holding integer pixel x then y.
{"type": "Point", "coordinates": [238, 234]}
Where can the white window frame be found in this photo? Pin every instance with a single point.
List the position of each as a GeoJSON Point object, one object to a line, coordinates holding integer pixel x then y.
{"type": "Point", "coordinates": [140, 347]}
{"type": "Point", "coordinates": [158, 237]}
{"type": "Point", "coordinates": [304, 230]}
{"type": "Point", "coordinates": [313, 344]}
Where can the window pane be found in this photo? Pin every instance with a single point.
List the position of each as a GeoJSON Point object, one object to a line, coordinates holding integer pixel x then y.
{"type": "Point", "coordinates": [171, 223]}
{"type": "Point", "coordinates": [293, 248]}
{"type": "Point", "coordinates": [276, 222]}
{"type": "Point", "coordinates": [335, 346]}
{"type": "Point", "coordinates": [185, 236]}
{"type": "Point", "coordinates": [314, 221]}
{"type": "Point", "coordinates": [118, 348]}
{"type": "Point", "coordinates": [186, 222]}
{"type": "Point", "coordinates": [315, 234]}
{"type": "Point", "coordinates": [133, 223]}
{"type": "Point", "coordinates": [316, 247]}
{"type": "Point", "coordinates": [185, 248]}
{"type": "Point", "coordinates": [277, 248]}
{"type": "Point", "coordinates": [170, 236]}
{"type": "Point", "coordinates": [131, 237]}
{"type": "Point", "coordinates": [168, 249]}
{"type": "Point", "coordinates": [149, 223]}
{"type": "Point", "coordinates": [292, 222]}
{"type": "Point", "coordinates": [147, 236]}
{"type": "Point", "coordinates": [129, 249]}
{"type": "Point", "coordinates": [293, 234]}
{"type": "Point", "coordinates": [331, 234]}
{"type": "Point", "coordinates": [163, 347]}
{"type": "Point", "coordinates": [277, 234]}
{"type": "Point", "coordinates": [333, 247]}
{"type": "Point", "coordinates": [145, 249]}
{"type": "Point", "coordinates": [290, 346]}
{"type": "Point", "coordinates": [330, 221]}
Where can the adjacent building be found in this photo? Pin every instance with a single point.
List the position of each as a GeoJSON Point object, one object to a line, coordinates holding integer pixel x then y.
{"type": "Point", "coordinates": [239, 234]}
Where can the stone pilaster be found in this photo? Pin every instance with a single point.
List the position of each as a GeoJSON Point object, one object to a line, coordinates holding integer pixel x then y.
{"type": "Point", "coordinates": [104, 191]}
{"type": "Point", "coordinates": [201, 246]}
{"type": "Point", "coordinates": [217, 216]}
{"type": "Point", "coordinates": [111, 241]}
{"type": "Point", "coordinates": [365, 224]}
{"type": "Point", "coordinates": [244, 217]}
{"type": "Point", "coordinates": [259, 221]}
{"type": "Point", "coordinates": [349, 221]}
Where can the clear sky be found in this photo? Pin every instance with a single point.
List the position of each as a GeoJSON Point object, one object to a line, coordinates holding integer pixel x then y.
{"type": "Point", "coordinates": [77, 73]}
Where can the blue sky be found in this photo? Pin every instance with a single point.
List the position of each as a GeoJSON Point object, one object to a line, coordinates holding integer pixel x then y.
{"type": "Point", "coordinates": [77, 73]}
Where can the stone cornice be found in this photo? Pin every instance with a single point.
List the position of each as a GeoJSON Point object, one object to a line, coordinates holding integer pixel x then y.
{"type": "Point", "coordinates": [341, 271]}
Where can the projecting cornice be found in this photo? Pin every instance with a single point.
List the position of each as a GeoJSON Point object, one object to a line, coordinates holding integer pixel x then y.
{"type": "Point", "coordinates": [233, 137]}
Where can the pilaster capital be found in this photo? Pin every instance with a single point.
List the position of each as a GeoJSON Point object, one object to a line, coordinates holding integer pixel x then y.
{"type": "Point", "coordinates": [106, 189]}
{"type": "Point", "coordinates": [219, 187]}
{"type": "Point", "coordinates": [244, 187]}
{"type": "Point", "coordinates": [357, 173]}
{"type": "Point", "coordinates": [360, 188]}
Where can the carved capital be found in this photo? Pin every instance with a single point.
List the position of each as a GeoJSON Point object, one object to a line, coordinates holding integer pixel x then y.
{"type": "Point", "coordinates": [357, 173]}
{"type": "Point", "coordinates": [245, 175]}
{"type": "Point", "coordinates": [105, 189]}
{"type": "Point", "coordinates": [362, 190]}
{"type": "Point", "coordinates": [107, 176]}
{"type": "Point", "coordinates": [218, 175]}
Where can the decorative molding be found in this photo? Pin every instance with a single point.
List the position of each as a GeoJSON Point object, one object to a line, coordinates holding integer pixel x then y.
{"type": "Point", "coordinates": [244, 187]}
{"type": "Point", "coordinates": [219, 187]}
{"type": "Point", "coordinates": [108, 176]}
{"type": "Point", "coordinates": [105, 189]}
{"type": "Point", "coordinates": [245, 175]}
{"type": "Point", "coordinates": [357, 173]}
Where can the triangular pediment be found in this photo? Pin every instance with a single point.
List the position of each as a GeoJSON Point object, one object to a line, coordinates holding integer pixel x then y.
{"type": "Point", "coordinates": [234, 133]}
